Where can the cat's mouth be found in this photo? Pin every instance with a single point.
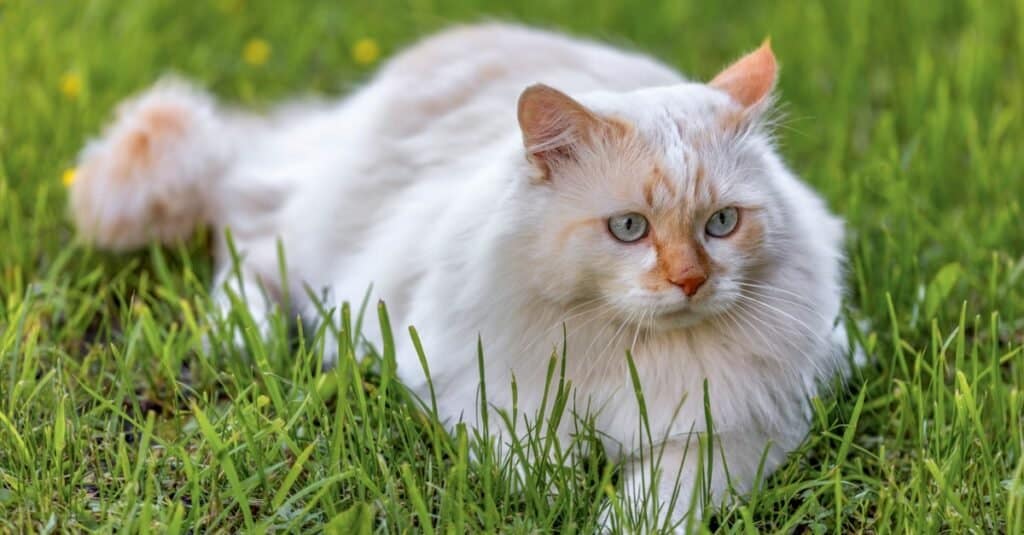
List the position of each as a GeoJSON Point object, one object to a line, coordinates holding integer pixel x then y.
{"type": "Point", "coordinates": [681, 314]}
{"type": "Point", "coordinates": [666, 310]}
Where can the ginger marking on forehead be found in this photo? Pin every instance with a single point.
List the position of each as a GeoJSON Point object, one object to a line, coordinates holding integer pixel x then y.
{"type": "Point", "coordinates": [700, 174]}
{"type": "Point", "coordinates": [658, 178]}
{"type": "Point", "coordinates": [649, 193]}
{"type": "Point", "coordinates": [698, 179]}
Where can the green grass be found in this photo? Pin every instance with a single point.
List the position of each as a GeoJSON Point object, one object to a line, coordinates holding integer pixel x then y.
{"type": "Point", "coordinates": [906, 115]}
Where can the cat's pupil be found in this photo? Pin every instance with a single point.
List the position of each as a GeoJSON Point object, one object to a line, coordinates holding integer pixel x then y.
{"type": "Point", "coordinates": [629, 223]}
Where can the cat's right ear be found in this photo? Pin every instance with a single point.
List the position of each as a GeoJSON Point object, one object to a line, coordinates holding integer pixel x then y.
{"type": "Point", "coordinates": [553, 125]}
{"type": "Point", "coordinates": [751, 79]}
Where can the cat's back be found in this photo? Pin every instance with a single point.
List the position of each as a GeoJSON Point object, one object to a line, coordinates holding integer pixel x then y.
{"type": "Point", "coordinates": [497, 55]}
{"type": "Point", "coordinates": [471, 76]}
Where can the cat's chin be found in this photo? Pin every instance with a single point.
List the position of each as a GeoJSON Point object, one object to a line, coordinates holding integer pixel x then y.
{"type": "Point", "coordinates": [684, 318]}
{"type": "Point", "coordinates": [664, 317]}
{"type": "Point", "coordinates": [688, 316]}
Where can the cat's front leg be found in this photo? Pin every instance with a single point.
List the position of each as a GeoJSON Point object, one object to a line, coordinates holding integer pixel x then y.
{"type": "Point", "coordinates": [672, 484]}
{"type": "Point", "coordinates": [660, 488]}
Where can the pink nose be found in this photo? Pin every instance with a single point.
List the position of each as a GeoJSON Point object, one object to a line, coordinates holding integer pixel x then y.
{"type": "Point", "coordinates": [690, 284]}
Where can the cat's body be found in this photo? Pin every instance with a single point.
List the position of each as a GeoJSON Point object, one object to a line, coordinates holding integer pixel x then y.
{"type": "Point", "coordinates": [419, 183]}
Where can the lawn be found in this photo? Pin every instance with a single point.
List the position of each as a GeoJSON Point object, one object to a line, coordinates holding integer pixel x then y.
{"type": "Point", "coordinates": [906, 115]}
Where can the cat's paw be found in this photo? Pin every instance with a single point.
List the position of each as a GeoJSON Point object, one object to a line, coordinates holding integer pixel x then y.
{"type": "Point", "coordinates": [147, 177]}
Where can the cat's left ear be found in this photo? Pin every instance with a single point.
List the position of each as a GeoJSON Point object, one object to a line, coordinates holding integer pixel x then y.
{"type": "Point", "coordinates": [751, 79]}
{"type": "Point", "coordinates": [554, 125]}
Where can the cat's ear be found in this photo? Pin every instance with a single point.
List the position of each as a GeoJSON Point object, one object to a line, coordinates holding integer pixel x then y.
{"type": "Point", "coordinates": [751, 79]}
{"type": "Point", "coordinates": [553, 125]}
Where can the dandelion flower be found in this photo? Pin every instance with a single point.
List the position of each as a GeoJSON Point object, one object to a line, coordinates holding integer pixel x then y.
{"type": "Point", "coordinates": [256, 52]}
{"type": "Point", "coordinates": [71, 85]}
{"type": "Point", "coordinates": [365, 51]}
{"type": "Point", "coordinates": [68, 177]}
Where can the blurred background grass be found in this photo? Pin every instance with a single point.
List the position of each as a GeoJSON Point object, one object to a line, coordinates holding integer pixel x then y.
{"type": "Point", "coordinates": [906, 115]}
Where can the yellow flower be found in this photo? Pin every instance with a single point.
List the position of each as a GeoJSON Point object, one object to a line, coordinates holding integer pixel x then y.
{"type": "Point", "coordinates": [365, 51]}
{"type": "Point", "coordinates": [256, 52]}
{"type": "Point", "coordinates": [71, 85]}
{"type": "Point", "coordinates": [68, 177]}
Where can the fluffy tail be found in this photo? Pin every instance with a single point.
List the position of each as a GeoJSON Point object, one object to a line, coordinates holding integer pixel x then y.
{"type": "Point", "coordinates": [154, 172]}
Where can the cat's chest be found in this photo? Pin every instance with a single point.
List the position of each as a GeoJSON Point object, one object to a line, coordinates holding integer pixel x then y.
{"type": "Point", "coordinates": [675, 376]}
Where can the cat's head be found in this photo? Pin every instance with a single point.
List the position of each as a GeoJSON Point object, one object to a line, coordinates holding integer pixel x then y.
{"type": "Point", "coordinates": [658, 204]}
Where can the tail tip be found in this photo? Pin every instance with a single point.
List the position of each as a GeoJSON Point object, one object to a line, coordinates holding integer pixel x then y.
{"type": "Point", "coordinates": [148, 176]}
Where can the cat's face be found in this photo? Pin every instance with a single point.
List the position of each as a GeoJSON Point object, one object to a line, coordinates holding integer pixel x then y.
{"type": "Point", "coordinates": [662, 210]}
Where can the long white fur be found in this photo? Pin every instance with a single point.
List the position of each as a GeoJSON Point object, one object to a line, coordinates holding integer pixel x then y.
{"type": "Point", "coordinates": [418, 183]}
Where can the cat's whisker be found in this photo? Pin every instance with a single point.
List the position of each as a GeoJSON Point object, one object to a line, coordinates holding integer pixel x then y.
{"type": "Point", "coordinates": [752, 284]}
{"type": "Point", "coordinates": [773, 351]}
{"type": "Point", "coordinates": [779, 334]}
{"type": "Point", "coordinates": [598, 337]}
{"type": "Point", "coordinates": [791, 349]}
{"type": "Point", "coordinates": [608, 318]}
{"type": "Point", "coordinates": [773, 290]}
{"type": "Point", "coordinates": [785, 336]}
{"type": "Point", "coordinates": [639, 326]}
{"type": "Point", "coordinates": [791, 317]}
{"type": "Point", "coordinates": [598, 360]}
{"type": "Point", "coordinates": [650, 329]}
{"type": "Point", "coordinates": [614, 338]}
{"type": "Point", "coordinates": [781, 300]}
{"type": "Point", "coordinates": [572, 313]}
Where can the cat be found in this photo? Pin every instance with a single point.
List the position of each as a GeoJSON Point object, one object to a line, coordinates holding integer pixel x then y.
{"type": "Point", "coordinates": [537, 192]}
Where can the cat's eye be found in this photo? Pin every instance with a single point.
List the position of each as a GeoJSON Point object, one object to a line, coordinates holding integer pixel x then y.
{"type": "Point", "coordinates": [722, 222]}
{"type": "Point", "coordinates": [628, 227]}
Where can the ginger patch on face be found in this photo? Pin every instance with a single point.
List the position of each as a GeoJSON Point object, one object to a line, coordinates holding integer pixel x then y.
{"type": "Point", "coordinates": [678, 235]}
{"type": "Point", "coordinates": [680, 260]}
{"type": "Point", "coordinates": [658, 187]}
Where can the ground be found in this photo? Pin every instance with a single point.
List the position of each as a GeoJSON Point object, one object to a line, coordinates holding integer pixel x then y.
{"type": "Point", "coordinates": [905, 115]}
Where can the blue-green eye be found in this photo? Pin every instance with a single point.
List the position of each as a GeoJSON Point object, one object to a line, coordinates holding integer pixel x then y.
{"type": "Point", "coordinates": [722, 222]}
{"type": "Point", "coordinates": [628, 227]}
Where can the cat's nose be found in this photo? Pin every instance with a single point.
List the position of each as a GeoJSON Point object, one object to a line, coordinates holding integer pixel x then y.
{"type": "Point", "coordinates": [690, 283]}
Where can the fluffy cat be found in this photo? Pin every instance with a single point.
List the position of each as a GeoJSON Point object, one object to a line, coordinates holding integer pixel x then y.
{"type": "Point", "coordinates": [641, 211]}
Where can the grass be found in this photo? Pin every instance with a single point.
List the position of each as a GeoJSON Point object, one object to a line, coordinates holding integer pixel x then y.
{"type": "Point", "coordinates": [906, 115]}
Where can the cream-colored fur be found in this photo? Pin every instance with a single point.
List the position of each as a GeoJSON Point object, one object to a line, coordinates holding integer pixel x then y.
{"type": "Point", "coordinates": [471, 221]}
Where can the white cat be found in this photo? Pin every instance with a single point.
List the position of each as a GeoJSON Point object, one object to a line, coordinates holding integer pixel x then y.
{"type": "Point", "coordinates": [643, 212]}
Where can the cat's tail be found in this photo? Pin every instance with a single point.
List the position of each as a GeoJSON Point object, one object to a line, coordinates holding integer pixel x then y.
{"type": "Point", "coordinates": [153, 173]}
